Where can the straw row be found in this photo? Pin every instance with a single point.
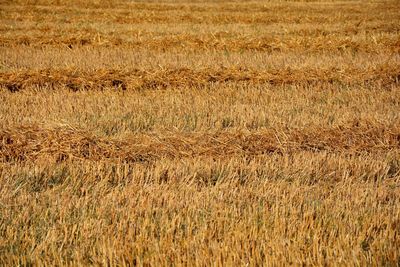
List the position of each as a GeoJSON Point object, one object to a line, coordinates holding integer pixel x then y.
{"type": "Point", "coordinates": [259, 15]}
{"type": "Point", "coordinates": [32, 143]}
{"type": "Point", "coordinates": [175, 78]}
{"type": "Point", "coordinates": [196, 6]}
{"type": "Point", "coordinates": [322, 43]}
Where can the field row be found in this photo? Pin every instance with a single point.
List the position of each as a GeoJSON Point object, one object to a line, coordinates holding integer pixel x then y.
{"type": "Point", "coordinates": [15, 81]}
{"type": "Point", "coordinates": [216, 107]}
{"type": "Point", "coordinates": [89, 59]}
{"type": "Point", "coordinates": [278, 13]}
{"type": "Point", "coordinates": [363, 43]}
{"type": "Point", "coordinates": [301, 167]}
{"type": "Point", "coordinates": [148, 29]}
{"type": "Point", "coordinates": [27, 143]}
{"type": "Point", "coordinates": [200, 6]}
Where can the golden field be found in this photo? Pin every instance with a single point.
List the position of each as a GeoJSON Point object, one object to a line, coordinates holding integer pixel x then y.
{"type": "Point", "coordinates": [199, 133]}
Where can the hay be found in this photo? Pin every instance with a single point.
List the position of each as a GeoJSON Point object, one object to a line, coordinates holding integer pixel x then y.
{"type": "Point", "coordinates": [181, 78]}
{"type": "Point", "coordinates": [58, 144]}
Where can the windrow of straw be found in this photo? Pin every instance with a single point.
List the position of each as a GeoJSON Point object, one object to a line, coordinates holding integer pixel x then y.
{"type": "Point", "coordinates": [184, 77]}
{"type": "Point", "coordinates": [379, 29]}
{"type": "Point", "coordinates": [197, 6]}
{"type": "Point", "coordinates": [217, 14]}
{"type": "Point", "coordinates": [59, 144]}
{"type": "Point", "coordinates": [321, 43]}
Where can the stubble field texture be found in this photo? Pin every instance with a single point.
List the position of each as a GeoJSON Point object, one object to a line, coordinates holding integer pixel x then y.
{"type": "Point", "coordinates": [199, 133]}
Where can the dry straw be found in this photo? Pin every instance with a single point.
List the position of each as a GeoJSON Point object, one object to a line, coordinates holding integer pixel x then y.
{"type": "Point", "coordinates": [59, 144]}
{"type": "Point", "coordinates": [184, 77]}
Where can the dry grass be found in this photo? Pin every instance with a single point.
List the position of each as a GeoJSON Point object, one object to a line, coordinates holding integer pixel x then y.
{"type": "Point", "coordinates": [203, 133]}
{"type": "Point", "coordinates": [388, 42]}
{"type": "Point", "coordinates": [60, 144]}
{"type": "Point", "coordinates": [336, 208]}
{"type": "Point", "coordinates": [189, 78]}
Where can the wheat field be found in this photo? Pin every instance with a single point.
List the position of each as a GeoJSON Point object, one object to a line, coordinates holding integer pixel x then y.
{"type": "Point", "coordinates": [199, 133]}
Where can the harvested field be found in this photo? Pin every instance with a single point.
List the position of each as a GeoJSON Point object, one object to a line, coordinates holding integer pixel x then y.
{"type": "Point", "coordinates": [199, 133]}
